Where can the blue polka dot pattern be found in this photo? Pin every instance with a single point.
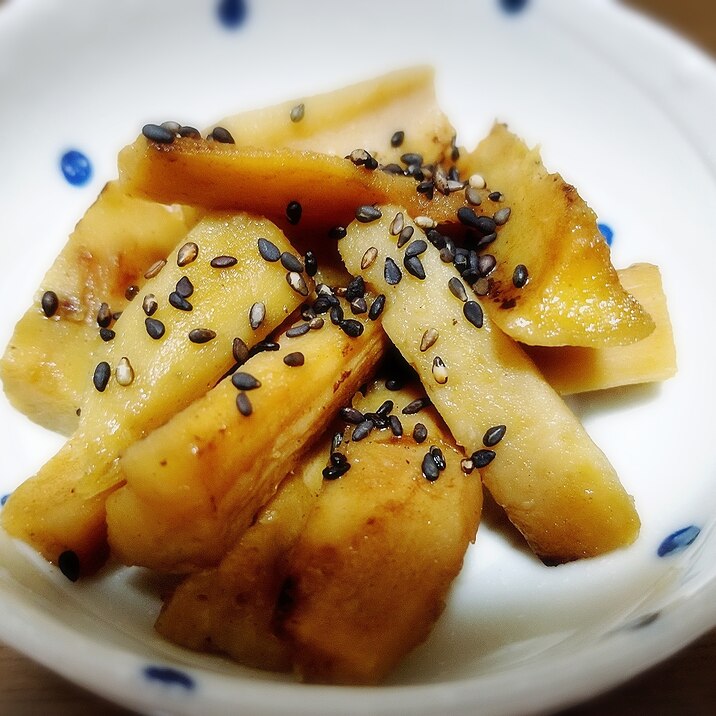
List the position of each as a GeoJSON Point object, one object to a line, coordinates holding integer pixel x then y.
{"type": "Point", "coordinates": [232, 13]}
{"type": "Point", "coordinates": [607, 233]}
{"type": "Point", "coordinates": [76, 167]}
{"type": "Point", "coordinates": [678, 541]}
{"type": "Point", "coordinates": [169, 676]}
{"type": "Point", "coordinates": [512, 7]}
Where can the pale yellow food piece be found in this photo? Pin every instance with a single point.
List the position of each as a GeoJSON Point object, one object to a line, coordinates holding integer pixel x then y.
{"type": "Point", "coordinates": [229, 608]}
{"type": "Point", "coordinates": [62, 507]}
{"type": "Point", "coordinates": [573, 295]}
{"type": "Point", "coordinates": [369, 574]}
{"type": "Point", "coordinates": [45, 365]}
{"type": "Point", "coordinates": [194, 485]}
{"type": "Point", "coordinates": [555, 484]}
{"type": "Point", "coordinates": [573, 369]}
{"type": "Point", "coordinates": [359, 116]}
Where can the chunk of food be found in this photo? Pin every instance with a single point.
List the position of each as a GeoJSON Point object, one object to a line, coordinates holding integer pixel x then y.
{"type": "Point", "coordinates": [229, 608]}
{"type": "Point", "coordinates": [388, 116]}
{"type": "Point", "coordinates": [194, 485]}
{"type": "Point", "coordinates": [285, 185]}
{"type": "Point", "coordinates": [45, 366]}
{"type": "Point", "coordinates": [569, 292]}
{"type": "Point", "coordinates": [555, 485]}
{"type": "Point", "coordinates": [573, 369]}
{"type": "Point", "coordinates": [155, 366]}
{"type": "Point", "coordinates": [370, 572]}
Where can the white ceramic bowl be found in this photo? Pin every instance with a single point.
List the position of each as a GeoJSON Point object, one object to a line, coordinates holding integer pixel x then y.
{"type": "Point", "coordinates": [622, 108]}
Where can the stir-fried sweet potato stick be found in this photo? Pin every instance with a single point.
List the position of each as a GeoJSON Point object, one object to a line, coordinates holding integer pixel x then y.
{"type": "Point", "coordinates": [172, 343]}
{"type": "Point", "coordinates": [554, 483]}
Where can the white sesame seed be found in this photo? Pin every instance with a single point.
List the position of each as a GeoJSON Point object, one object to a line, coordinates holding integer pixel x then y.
{"type": "Point", "coordinates": [440, 372]}
{"type": "Point", "coordinates": [124, 372]}
{"type": "Point", "coordinates": [369, 258]}
{"type": "Point", "coordinates": [425, 222]}
{"type": "Point", "coordinates": [477, 181]}
{"type": "Point", "coordinates": [428, 339]}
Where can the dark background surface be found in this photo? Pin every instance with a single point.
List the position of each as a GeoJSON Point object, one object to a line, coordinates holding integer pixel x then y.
{"type": "Point", "coordinates": [684, 685]}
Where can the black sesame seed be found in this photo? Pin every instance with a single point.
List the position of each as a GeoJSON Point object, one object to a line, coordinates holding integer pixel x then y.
{"type": "Point", "coordinates": [485, 241]}
{"type": "Point", "coordinates": [482, 458]}
{"type": "Point", "coordinates": [394, 383]}
{"type": "Point", "coordinates": [131, 292]}
{"type": "Point", "coordinates": [351, 327]}
{"type": "Point", "coordinates": [420, 433]}
{"type": "Point", "coordinates": [239, 350]}
{"type": "Point", "coordinates": [414, 266]}
{"type": "Point", "coordinates": [155, 328]}
{"type": "Point", "coordinates": [438, 456]}
{"type": "Point", "coordinates": [299, 330]}
{"type": "Point", "coordinates": [362, 430]}
{"type": "Point", "coordinates": [502, 215]}
{"type": "Point", "coordinates": [49, 303]}
{"type": "Point", "coordinates": [244, 404]}
{"type": "Point", "coordinates": [397, 139]}
{"type": "Point", "coordinates": [333, 472]}
{"type": "Point", "coordinates": [391, 272]}
{"type": "Point", "coordinates": [431, 471]}
{"type": "Point", "coordinates": [179, 302]}
{"type": "Point", "coordinates": [520, 276]}
{"type": "Point", "coordinates": [322, 304]}
{"type": "Point", "coordinates": [268, 250]}
{"type": "Point", "coordinates": [297, 113]}
{"type": "Point", "coordinates": [149, 304]}
{"type": "Point", "coordinates": [106, 334]}
{"type": "Point", "coordinates": [457, 288]}
{"type": "Point", "coordinates": [376, 308]}
{"type": "Point", "coordinates": [385, 408]}
{"type": "Point", "coordinates": [481, 287]}
{"type": "Point", "coordinates": [337, 232]}
{"type": "Point", "coordinates": [336, 314]}
{"type": "Point", "coordinates": [392, 168]}
{"type": "Point", "coordinates": [355, 288]}
{"type": "Point", "coordinates": [486, 264]}
{"type": "Point", "coordinates": [358, 306]}
{"type": "Point", "coordinates": [493, 435]}
{"type": "Point", "coordinates": [191, 132]}
{"type": "Point", "coordinates": [201, 335]}
{"type": "Point", "coordinates": [245, 381]}
{"type": "Point", "coordinates": [415, 406]}
{"type": "Point", "coordinates": [337, 458]}
{"type": "Point", "coordinates": [293, 212]}
{"type": "Point", "coordinates": [351, 415]}
{"type": "Point", "coordinates": [184, 287]}
{"type": "Point", "coordinates": [264, 347]}
{"type": "Point", "coordinates": [416, 247]}
{"type": "Point", "coordinates": [473, 312]}
{"type": "Point", "coordinates": [158, 134]}
{"type": "Point", "coordinates": [396, 427]}
{"type": "Point", "coordinates": [367, 213]}
{"type": "Point", "coordinates": [101, 376]}
{"type": "Point", "coordinates": [222, 135]}
{"type": "Point", "coordinates": [69, 564]}
{"type": "Point", "coordinates": [311, 263]}
{"type": "Point", "coordinates": [221, 262]}
{"type": "Point", "coordinates": [412, 159]}
{"type": "Point", "coordinates": [405, 235]}
{"type": "Point", "coordinates": [187, 253]}
{"type": "Point", "coordinates": [290, 262]}
{"type": "Point", "coordinates": [104, 316]}
{"type": "Point", "coordinates": [295, 359]}
{"type": "Point", "coordinates": [495, 196]}
{"type": "Point", "coordinates": [427, 188]}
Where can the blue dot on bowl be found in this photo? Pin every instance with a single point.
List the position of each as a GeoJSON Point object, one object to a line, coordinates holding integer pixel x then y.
{"type": "Point", "coordinates": [76, 167]}
{"type": "Point", "coordinates": [232, 13]}
{"type": "Point", "coordinates": [512, 7]}
{"type": "Point", "coordinates": [4, 499]}
{"type": "Point", "coordinates": [678, 541]}
{"type": "Point", "coordinates": [607, 232]}
{"type": "Point", "coordinates": [169, 676]}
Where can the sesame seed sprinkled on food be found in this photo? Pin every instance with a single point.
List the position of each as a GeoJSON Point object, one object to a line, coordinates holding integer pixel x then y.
{"type": "Point", "coordinates": [493, 435]}
{"type": "Point", "coordinates": [482, 458]}
{"type": "Point", "coordinates": [397, 224]}
{"type": "Point", "coordinates": [191, 132]}
{"type": "Point", "coordinates": [201, 335]}
{"type": "Point", "coordinates": [155, 328]}
{"type": "Point", "coordinates": [187, 253]}
{"type": "Point", "coordinates": [397, 139]}
{"type": "Point", "coordinates": [466, 465]}
{"type": "Point", "coordinates": [457, 288]}
{"type": "Point", "coordinates": [293, 212]}
{"type": "Point", "coordinates": [224, 261]}
{"type": "Point", "coordinates": [299, 330]}
{"type": "Point", "coordinates": [268, 250]}
{"type": "Point", "coordinates": [184, 287]}
{"type": "Point", "coordinates": [481, 287]}
{"type": "Point", "coordinates": [239, 350]}
{"type": "Point", "coordinates": [179, 302]}
{"type": "Point", "coordinates": [150, 304]}
{"type": "Point", "coordinates": [420, 433]}
{"type": "Point", "coordinates": [124, 373]}
{"type": "Point", "coordinates": [101, 376]}
{"type": "Point", "coordinates": [439, 370]}
{"type": "Point", "coordinates": [476, 181]}
{"type": "Point", "coordinates": [263, 347]}
{"type": "Point", "coordinates": [351, 327]}
{"type": "Point", "coordinates": [298, 112]}
{"type": "Point", "coordinates": [520, 276]}
{"type": "Point", "coordinates": [49, 303]}
{"type": "Point", "coordinates": [415, 406]}
{"type": "Point", "coordinates": [405, 235]}
{"type": "Point", "coordinates": [473, 196]}
{"type": "Point", "coordinates": [473, 312]}
{"type": "Point", "coordinates": [291, 263]}
{"type": "Point", "coordinates": [391, 272]}
{"type": "Point", "coordinates": [257, 313]}
{"type": "Point", "coordinates": [429, 338]}
{"type": "Point", "coordinates": [336, 314]}
{"type": "Point", "coordinates": [495, 196]}
{"type": "Point", "coordinates": [104, 315]}
{"type": "Point", "coordinates": [69, 564]}
{"type": "Point", "coordinates": [351, 415]}
{"type": "Point", "coordinates": [316, 323]}
{"type": "Point", "coordinates": [295, 359]}
{"type": "Point", "coordinates": [396, 427]}
{"type": "Point", "coordinates": [245, 381]}
{"type": "Point", "coordinates": [362, 430]}
{"type": "Point", "coordinates": [376, 308]}
{"type": "Point", "coordinates": [425, 222]}
{"type": "Point", "coordinates": [414, 266]}
{"type": "Point", "coordinates": [438, 456]}
{"type": "Point", "coordinates": [131, 292]}
{"type": "Point", "coordinates": [369, 258]}
{"type": "Point", "coordinates": [337, 232]}
{"type": "Point", "coordinates": [502, 215]}
{"type": "Point", "coordinates": [367, 213]}
{"type": "Point", "coordinates": [155, 268]}
{"type": "Point", "coordinates": [221, 135]}
{"type": "Point", "coordinates": [415, 248]}
{"type": "Point", "coordinates": [158, 134]}
{"type": "Point", "coordinates": [486, 264]}
{"type": "Point", "coordinates": [430, 469]}
{"type": "Point", "coordinates": [358, 306]}
{"type": "Point", "coordinates": [310, 263]}
{"type": "Point", "coordinates": [333, 472]}
{"type": "Point", "coordinates": [244, 404]}
{"type": "Point", "coordinates": [106, 334]}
